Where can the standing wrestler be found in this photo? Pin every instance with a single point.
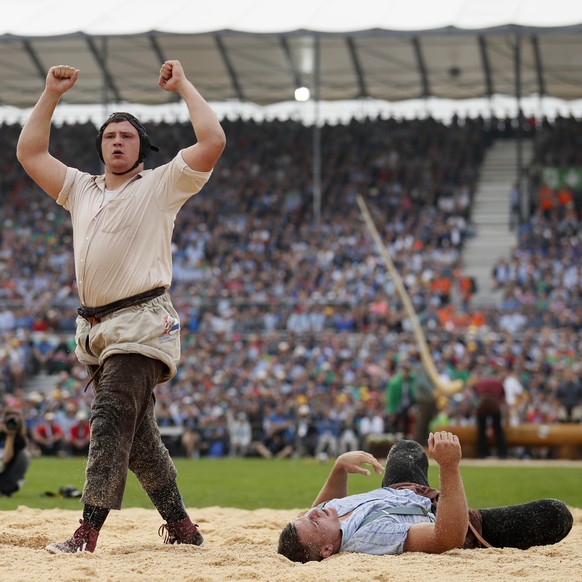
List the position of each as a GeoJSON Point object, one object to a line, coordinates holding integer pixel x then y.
{"type": "Point", "coordinates": [128, 332]}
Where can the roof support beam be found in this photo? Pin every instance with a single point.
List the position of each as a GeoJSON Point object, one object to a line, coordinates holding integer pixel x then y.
{"type": "Point", "coordinates": [162, 58]}
{"type": "Point", "coordinates": [535, 42]}
{"type": "Point", "coordinates": [157, 48]}
{"type": "Point", "coordinates": [229, 67]}
{"type": "Point", "coordinates": [316, 130]}
{"type": "Point", "coordinates": [295, 74]}
{"type": "Point", "coordinates": [101, 58]}
{"type": "Point", "coordinates": [34, 58]}
{"type": "Point", "coordinates": [486, 66]}
{"type": "Point", "coordinates": [520, 122]}
{"type": "Point", "coordinates": [362, 89]}
{"type": "Point", "coordinates": [421, 67]}
{"type": "Point", "coordinates": [517, 69]}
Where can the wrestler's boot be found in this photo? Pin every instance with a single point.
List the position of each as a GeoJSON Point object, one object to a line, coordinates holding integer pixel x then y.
{"type": "Point", "coordinates": [181, 532]}
{"type": "Point", "coordinates": [178, 528]}
{"type": "Point", "coordinates": [406, 463]}
{"type": "Point", "coordinates": [84, 540]}
{"type": "Point", "coordinates": [537, 523]}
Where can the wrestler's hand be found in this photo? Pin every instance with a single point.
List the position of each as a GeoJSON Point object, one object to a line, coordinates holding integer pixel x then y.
{"type": "Point", "coordinates": [445, 448]}
{"type": "Point", "coordinates": [61, 78]}
{"type": "Point", "coordinates": [171, 76]}
{"type": "Point", "coordinates": [352, 461]}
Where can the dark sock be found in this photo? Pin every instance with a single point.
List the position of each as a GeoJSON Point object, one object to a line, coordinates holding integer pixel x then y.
{"type": "Point", "coordinates": [169, 504]}
{"type": "Point", "coordinates": [537, 523]}
{"type": "Point", "coordinates": [406, 463]}
{"type": "Point", "coordinates": [95, 516]}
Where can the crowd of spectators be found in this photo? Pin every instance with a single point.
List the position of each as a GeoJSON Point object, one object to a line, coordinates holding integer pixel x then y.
{"type": "Point", "coordinates": [541, 279]}
{"type": "Point", "coordinates": [292, 327]}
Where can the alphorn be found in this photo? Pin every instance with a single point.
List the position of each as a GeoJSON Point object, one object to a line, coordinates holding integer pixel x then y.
{"type": "Point", "coordinates": [442, 387]}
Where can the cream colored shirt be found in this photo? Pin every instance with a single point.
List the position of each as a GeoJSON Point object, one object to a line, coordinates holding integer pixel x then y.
{"type": "Point", "coordinates": [123, 247]}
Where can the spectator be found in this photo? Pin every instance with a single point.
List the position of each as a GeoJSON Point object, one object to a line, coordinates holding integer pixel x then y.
{"type": "Point", "coordinates": [79, 435]}
{"type": "Point", "coordinates": [191, 435]}
{"type": "Point", "coordinates": [370, 425]}
{"type": "Point", "coordinates": [256, 417]}
{"type": "Point", "coordinates": [279, 434]}
{"type": "Point", "coordinates": [306, 434]}
{"type": "Point", "coordinates": [65, 417]}
{"type": "Point", "coordinates": [42, 351]}
{"type": "Point", "coordinates": [62, 356]}
{"type": "Point", "coordinates": [400, 398]}
{"type": "Point", "coordinates": [214, 434]}
{"type": "Point", "coordinates": [48, 436]}
{"type": "Point", "coordinates": [514, 206]}
{"type": "Point", "coordinates": [513, 389]}
{"type": "Point", "coordinates": [239, 433]}
{"type": "Point", "coordinates": [426, 404]}
{"type": "Point", "coordinates": [569, 396]}
{"type": "Point", "coordinates": [7, 320]}
{"type": "Point", "coordinates": [328, 432]}
{"type": "Point", "coordinates": [348, 439]}
{"type": "Point", "coordinates": [15, 458]}
{"type": "Point", "coordinates": [490, 407]}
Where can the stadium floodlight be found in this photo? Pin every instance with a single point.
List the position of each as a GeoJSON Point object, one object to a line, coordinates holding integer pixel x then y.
{"type": "Point", "coordinates": [302, 94]}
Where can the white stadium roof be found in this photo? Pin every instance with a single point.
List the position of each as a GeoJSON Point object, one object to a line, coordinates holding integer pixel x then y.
{"type": "Point", "coordinates": [255, 53]}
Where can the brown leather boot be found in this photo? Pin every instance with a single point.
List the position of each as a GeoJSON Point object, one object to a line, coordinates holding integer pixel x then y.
{"type": "Point", "coordinates": [84, 540]}
{"type": "Point", "coordinates": [181, 532]}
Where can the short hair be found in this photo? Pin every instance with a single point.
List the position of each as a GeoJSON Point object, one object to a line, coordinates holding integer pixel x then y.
{"type": "Point", "coordinates": [291, 547]}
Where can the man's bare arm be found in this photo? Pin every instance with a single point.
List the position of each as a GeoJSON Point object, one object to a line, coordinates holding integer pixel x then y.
{"type": "Point", "coordinates": [211, 140]}
{"type": "Point", "coordinates": [452, 518]}
{"type": "Point", "coordinates": [336, 485]}
{"type": "Point", "coordinates": [32, 150]}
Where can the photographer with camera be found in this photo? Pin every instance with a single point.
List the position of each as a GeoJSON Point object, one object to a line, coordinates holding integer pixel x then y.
{"type": "Point", "coordinates": [14, 456]}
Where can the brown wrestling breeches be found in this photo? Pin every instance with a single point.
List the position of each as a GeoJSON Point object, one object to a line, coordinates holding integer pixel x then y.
{"type": "Point", "coordinates": [124, 432]}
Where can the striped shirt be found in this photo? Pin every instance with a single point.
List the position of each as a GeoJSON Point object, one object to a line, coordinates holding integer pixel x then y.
{"type": "Point", "coordinates": [387, 533]}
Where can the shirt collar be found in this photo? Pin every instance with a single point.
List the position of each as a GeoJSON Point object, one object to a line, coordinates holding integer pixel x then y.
{"type": "Point", "coordinates": [100, 180]}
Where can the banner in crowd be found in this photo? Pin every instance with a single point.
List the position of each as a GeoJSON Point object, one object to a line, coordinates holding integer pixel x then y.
{"type": "Point", "coordinates": [557, 178]}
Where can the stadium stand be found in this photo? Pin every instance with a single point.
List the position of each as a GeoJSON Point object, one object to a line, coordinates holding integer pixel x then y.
{"type": "Point", "coordinates": [280, 311]}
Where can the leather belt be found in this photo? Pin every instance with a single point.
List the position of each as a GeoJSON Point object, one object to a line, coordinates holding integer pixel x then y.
{"type": "Point", "coordinates": [94, 314]}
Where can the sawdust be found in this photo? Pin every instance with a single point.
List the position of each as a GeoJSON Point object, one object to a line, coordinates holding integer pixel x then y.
{"type": "Point", "coordinates": [241, 545]}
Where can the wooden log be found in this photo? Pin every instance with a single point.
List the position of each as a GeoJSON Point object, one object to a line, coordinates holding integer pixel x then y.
{"type": "Point", "coordinates": [564, 438]}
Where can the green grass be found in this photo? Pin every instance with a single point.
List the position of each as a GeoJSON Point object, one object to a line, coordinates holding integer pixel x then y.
{"type": "Point", "coordinates": [290, 484]}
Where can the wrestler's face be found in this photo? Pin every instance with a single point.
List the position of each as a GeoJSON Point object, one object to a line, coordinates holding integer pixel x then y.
{"type": "Point", "coordinates": [319, 529]}
{"type": "Point", "coordinates": [120, 146]}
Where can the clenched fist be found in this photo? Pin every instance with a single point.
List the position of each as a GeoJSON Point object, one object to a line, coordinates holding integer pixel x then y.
{"type": "Point", "coordinates": [171, 76]}
{"type": "Point", "coordinates": [61, 78]}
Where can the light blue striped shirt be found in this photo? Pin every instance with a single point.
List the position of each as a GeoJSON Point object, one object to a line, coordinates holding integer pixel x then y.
{"type": "Point", "coordinates": [385, 534]}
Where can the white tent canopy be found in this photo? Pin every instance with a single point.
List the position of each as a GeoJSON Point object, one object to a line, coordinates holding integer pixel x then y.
{"type": "Point", "coordinates": [249, 54]}
{"type": "Point", "coordinates": [45, 18]}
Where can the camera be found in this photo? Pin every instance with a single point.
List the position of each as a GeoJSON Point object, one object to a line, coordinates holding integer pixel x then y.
{"type": "Point", "coordinates": [11, 423]}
